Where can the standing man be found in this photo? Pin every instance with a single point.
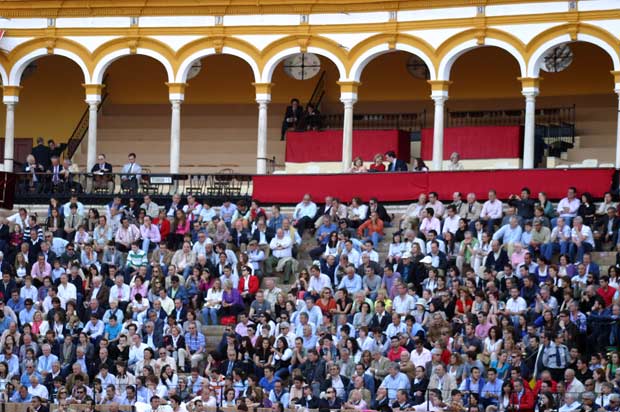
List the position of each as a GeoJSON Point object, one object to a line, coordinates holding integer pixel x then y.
{"type": "Point", "coordinates": [292, 117]}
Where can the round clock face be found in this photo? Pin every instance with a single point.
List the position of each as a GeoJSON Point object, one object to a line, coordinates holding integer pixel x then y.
{"type": "Point", "coordinates": [194, 69]}
{"type": "Point", "coordinates": [302, 66]}
{"type": "Point", "coordinates": [417, 68]}
{"type": "Point", "coordinates": [557, 59]}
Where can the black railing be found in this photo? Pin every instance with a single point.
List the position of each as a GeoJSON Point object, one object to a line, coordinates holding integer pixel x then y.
{"type": "Point", "coordinates": [555, 125]}
{"type": "Point", "coordinates": [411, 122]}
{"type": "Point", "coordinates": [82, 126]}
{"type": "Point", "coordinates": [98, 188]}
{"type": "Point", "coordinates": [318, 93]}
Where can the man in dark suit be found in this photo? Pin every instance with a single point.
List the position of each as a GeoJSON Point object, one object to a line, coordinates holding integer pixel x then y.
{"type": "Point", "coordinates": [41, 153]}
{"type": "Point", "coordinates": [98, 291]}
{"type": "Point", "coordinates": [333, 379]}
{"type": "Point", "coordinates": [231, 363]}
{"type": "Point", "coordinates": [179, 313]}
{"type": "Point", "coordinates": [608, 229]}
{"type": "Point", "coordinates": [292, 117]}
{"type": "Point", "coordinates": [102, 172]}
{"type": "Point", "coordinates": [57, 177]}
{"type": "Point", "coordinates": [151, 336]}
{"type": "Point", "coordinates": [395, 165]}
{"type": "Point", "coordinates": [497, 258]}
{"type": "Point", "coordinates": [5, 237]}
{"type": "Point", "coordinates": [37, 405]}
{"type": "Point", "coordinates": [7, 286]}
{"type": "Point", "coordinates": [381, 319]}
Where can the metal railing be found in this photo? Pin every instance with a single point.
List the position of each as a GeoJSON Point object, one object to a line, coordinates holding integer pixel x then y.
{"type": "Point", "coordinates": [319, 92]}
{"type": "Point", "coordinates": [82, 126]}
{"type": "Point", "coordinates": [411, 122]}
{"type": "Point", "coordinates": [99, 188]}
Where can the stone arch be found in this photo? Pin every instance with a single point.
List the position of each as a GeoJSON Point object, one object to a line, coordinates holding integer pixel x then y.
{"type": "Point", "coordinates": [375, 46]}
{"type": "Point", "coordinates": [566, 34]}
{"type": "Point", "coordinates": [461, 43]}
{"type": "Point", "coordinates": [279, 50]}
{"type": "Point", "coordinates": [115, 49]}
{"type": "Point", "coordinates": [210, 46]}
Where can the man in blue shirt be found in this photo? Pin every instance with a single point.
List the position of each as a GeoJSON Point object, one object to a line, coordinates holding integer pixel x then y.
{"type": "Point", "coordinates": [195, 344]}
{"type": "Point", "coordinates": [323, 236]}
{"type": "Point", "coordinates": [491, 389]}
{"type": "Point", "coordinates": [22, 395]}
{"type": "Point", "coordinates": [394, 381]}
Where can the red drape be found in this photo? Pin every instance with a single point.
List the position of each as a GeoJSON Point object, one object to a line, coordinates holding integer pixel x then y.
{"type": "Point", "coordinates": [406, 186]}
{"type": "Point", "coordinates": [326, 146]}
{"type": "Point", "coordinates": [476, 142]}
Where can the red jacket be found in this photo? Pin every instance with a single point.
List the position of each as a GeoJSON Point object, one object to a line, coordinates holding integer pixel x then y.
{"type": "Point", "coordinates": [526, 404]}
{"type": "Point", "coordinates": [164, 227]}
{"type": "Point", "coordinates": [252, 287]}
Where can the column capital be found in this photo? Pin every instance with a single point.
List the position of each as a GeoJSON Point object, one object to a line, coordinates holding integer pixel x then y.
{"type": "Point", "coordinates": [530, 85]}
{"type": "Point", "coordinates": [439, 89]}
{"type": "Point", "coordinates": [263, 92]}
{"type": "Point", "coordinates": [93, 92]}
{"type": "Point", "coordinates": [11, 93]}
{"type": "Point", "coordinates": [348, 91]}
{"type": "Point", "coordinates": [176, 91]}
{"type": "Point", "coordinates": [616, 75]}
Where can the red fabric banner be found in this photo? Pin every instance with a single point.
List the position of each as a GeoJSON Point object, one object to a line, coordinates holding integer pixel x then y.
{"type": "Point", "coordinates": [326, 146]}
{"type": "Point", "coordinates": [406, 186]}
{"type": "Point", "coordinates": [476, 142]}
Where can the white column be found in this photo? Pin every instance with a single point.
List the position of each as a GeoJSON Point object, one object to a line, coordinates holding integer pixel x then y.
{"type": "Point", "coordinates": [261, 143]}
{"type": "Point", "coordinates": [175, 136]}
{"type": "Point", "coordinates": [618, 131]}
{"type": "Point", "coordinates": [439, 97]}
{"type": "Point", "coordinates": [9, 135]}
{"type": "Point", "coordinates": [91, 156]}
{"type": "Point", "coordinates": [347, 131]}
{"type": "Point", "coordinates": [530, 94]}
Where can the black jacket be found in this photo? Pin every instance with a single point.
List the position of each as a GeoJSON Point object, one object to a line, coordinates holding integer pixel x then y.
{"type": "Point", "coordinates": [400, 166]}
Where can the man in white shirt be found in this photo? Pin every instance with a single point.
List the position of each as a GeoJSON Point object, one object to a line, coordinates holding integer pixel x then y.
{"type": "Point", "coordinates": [582, 240]}
{"type": "Point", "coordinates": [515, 306]}
{"type": "Point", "coordinates": [200, 247]}
{"type": "Point", "coordinates": [136, 351]}
{"type": "Point", "coordinates": [66, 290]}
{"type": "Point", "coordinates": [318, 282]}
{"type": "Point", "coordinates": [420, 356]}
{"type": "Point", "coordinates": [451, 221]}
{"type": "Point", "coordinates": [281, 258]}
{"type": "Point", "coordinates": [492, 211]}
{"type": "Point", "coordinates": [403, 304]}
{"type": "Point", "coordinates": [304, 214]}
{"type": "Point", "coordinates": [412, 215]}
{"type": "Point", "coordinates": [353, 255]}
{"type": "Point", "coordinates": [120, 292]}
{"type": "Point", "coordinates": [368, 249]}
{"type": "Point", "coordinates": [437, 206]}
{"type": "Point", "coordinates": [567, 207]}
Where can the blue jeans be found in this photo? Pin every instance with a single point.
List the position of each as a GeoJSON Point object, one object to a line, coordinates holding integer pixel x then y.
{"type": "Point", "coordinates": [576, 253]}
{"type": "Point", "coordinates": [375, 238]}
{"type": "Point", "coordinates": [548, 249]}
{"type": "Point", "coordinates": [209, 314]}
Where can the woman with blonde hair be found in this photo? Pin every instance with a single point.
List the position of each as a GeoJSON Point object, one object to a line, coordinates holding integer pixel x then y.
{"type": "Point", "coordinates": [377, 165]}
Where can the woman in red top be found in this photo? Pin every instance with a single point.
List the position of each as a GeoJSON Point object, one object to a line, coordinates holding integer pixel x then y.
{"type": "Point", "coordinates": [256, 211]}
{"type": "Point", "coordinates": [464, 302]}
{"type": "Point", "coordinates": [378, 165]}
{"type": "Point", "coordinates": [163, 224]}
{"type": "Point", "coordinates": [326, 303]}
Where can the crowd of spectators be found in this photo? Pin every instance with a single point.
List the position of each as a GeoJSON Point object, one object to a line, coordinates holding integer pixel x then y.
{"type": "Point", "coordinates": [469, 306]}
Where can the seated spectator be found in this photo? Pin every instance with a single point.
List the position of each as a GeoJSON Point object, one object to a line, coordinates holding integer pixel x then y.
{"type": "Point", "coordinates": [358, 166]}
{"type": "Point", "coordinates": [377, 165]}
{"type": "Point", "coordinates": [455, 163]}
